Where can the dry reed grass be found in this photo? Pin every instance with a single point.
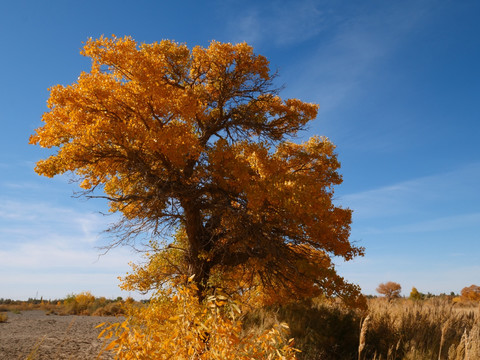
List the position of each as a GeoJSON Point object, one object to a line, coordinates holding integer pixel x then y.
{"type": "Point", "coordinates": [431, 329]}
{"type": "Point", "coordinates": [403, 329]}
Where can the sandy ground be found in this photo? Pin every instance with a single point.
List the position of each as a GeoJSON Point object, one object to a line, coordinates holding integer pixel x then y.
{"type": "Point", "coordinates": [54, 336]}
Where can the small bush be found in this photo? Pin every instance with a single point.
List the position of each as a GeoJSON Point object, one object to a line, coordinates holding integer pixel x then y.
{"type": "Point", "coordinates": [112, 309]}
{"type": "Point", "coordinates": [3, 317]}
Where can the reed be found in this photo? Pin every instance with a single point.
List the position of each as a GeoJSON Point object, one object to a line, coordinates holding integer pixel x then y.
{"type": "Point", "coordinates": [402, 329]}
{"type": "Point", "coordinates": [431, 329]}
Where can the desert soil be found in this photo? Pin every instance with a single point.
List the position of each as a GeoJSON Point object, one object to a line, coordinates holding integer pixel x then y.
{"type": "Point", "coordinates": [51, 337]}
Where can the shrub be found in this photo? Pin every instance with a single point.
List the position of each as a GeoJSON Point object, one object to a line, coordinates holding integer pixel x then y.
{"type": "Point", "coordinates": [3, 317]}
{"type": "Point", "coordinates": [82, 304]}
{"type": "Point", "coordinates": [175, 325]}
{"type": "Point", "coordinates": [111, 309]}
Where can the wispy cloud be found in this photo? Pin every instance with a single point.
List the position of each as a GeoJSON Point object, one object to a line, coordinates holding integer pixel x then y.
{"type": "Point", "coordinates": [356, 43]}
{"type": "Point", "coordinates": [422, 232]}
{"type": "Point", "coordinates": [335, 56]}
{"type": "Point", "coordinates": [441, 224]}
{"type": "Point", "coordinates": [35, 219]}
{"type": "Point", "coordinates": [46, 247]}
{"type": "Point", "coordinates": [60, 253]}
{"type": "Point", "coordinates": [454, 193]}
{"type": "Point", "coordinates": [56, 285]}
{"type": "Point", "coordinates": [281, 23]}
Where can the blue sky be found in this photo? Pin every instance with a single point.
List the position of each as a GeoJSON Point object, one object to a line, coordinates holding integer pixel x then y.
{"type": "Point", "coordinates": [398, 85]}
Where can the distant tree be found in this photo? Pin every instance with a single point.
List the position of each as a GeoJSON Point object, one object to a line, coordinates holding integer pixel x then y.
{"type": "Point", "coordinates": [390, 290]}
{"type": "Point", "coordinates": [470, 293]}
{"type": "Point", "coordinates": [415, 294]}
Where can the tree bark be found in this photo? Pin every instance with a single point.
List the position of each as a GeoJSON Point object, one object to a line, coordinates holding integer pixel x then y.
{"type": "Point", "coordinates": [198, 242]}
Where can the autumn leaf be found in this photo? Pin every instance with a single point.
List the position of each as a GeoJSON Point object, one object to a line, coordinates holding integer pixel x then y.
{"type": "Point", "coordinates": [198, 146]}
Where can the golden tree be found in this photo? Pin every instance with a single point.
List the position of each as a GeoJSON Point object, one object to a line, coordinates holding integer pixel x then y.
{"type": "Point", "coordinates": [194, 149]}
{"type": "Point", "coordinates": [391, 290]}
{"type": "Point", "coordinates": [470, 293]}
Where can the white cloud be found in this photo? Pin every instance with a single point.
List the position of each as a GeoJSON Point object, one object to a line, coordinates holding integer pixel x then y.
{"type": "Point", "coordinates": [440, 224]}
{"type": "Point", "coordinates": [278, 23]}
{"type": "Point", "coordinates": [334, 56]}
{"type": "Point", "coordinates": [53, 249]}
{"type": "Point", "coordinates": [342, 64]}
{"type": "Point", "coordinates": [39, 219]}
{"type": "Point", "coordinates": [56, 285]}
{"type": "Point", "coordinates": [59, 267]}
{"type": "Point", "coordinates": [452, 194]}
{"type": "Point", "coordinates": [61, 252]}
{"type": "Point", "coordinates": [422, 232]}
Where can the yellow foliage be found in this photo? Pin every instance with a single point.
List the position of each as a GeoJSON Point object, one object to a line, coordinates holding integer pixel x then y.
{"type": "Point", "coordinates": [390, 290]}
{"type": "Point", "coordinates": [470, 293]}
{"type": "Point", "coordinates": [85, 298]}
{"type": "Point", "coordinates": [3, 317]}
{"type": "Point", "coordinates": [175, 325]}
{"type": "Point", "coordinates": [197, 141]}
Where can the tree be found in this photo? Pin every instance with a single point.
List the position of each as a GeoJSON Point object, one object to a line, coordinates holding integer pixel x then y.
{"type": "Point", "coordinates": [194, 148]}
{"type": "Point", "coordinates": [391, 290]}
{"type": "Point", "coordinates": [416, 295]}
{"type": "Point", "coordinates": [470, 293]}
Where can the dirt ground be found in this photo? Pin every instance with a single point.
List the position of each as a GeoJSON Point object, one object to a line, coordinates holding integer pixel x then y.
{"type": "Point", "coordinates": [51, 337]}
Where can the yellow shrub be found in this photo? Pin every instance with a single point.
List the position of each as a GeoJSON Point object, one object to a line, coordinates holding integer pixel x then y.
{"type": "Point", "coordinates": [85, 298]}
{"type": "Point", "coordinates": [174, 325]}
{"type": "Point", "coordinates": [80, 304]}
{"type": "Point", "coordinates": [3, 317]}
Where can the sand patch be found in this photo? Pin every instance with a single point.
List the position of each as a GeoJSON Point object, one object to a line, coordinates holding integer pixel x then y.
{"type": "Point", "coordinates": [53, 336]}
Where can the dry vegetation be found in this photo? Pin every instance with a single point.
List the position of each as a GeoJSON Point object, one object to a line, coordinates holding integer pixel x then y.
{"type": "Point", "coordinates": [435, 328]}
{"type": "Point", "coordinates": [402, 329]}
{"type": "Point", "coordinates": [75, 304]}
{"type": "Point", "coordinates": [429, 329]}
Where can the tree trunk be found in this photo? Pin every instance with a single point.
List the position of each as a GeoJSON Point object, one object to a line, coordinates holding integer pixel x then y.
{"type": "Point", "coordinates": [197, 236]}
